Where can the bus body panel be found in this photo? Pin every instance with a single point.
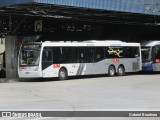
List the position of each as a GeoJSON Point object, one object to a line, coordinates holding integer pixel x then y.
{"type": "Point", "coordinates": [156, 67]}
{"type": "Point", "coordinates": [92, 68]}
{"type": "Point", "coordinates": [53, 70]}
{"type": "Point", "coordinates": [132, 66]}
{"type": "Point", "coordinates": [72, 69]}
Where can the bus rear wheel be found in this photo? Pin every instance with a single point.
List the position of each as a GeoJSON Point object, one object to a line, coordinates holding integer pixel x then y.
{"type": "Point", "coordinates": [111, 71]}
{"type": "Point", "coordinates": [121, 71]}
{"type": "Point", "coordinates": [63, 74]}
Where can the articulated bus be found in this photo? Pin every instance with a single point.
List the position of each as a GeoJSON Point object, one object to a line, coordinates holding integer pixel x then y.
{"type": "Point", "coordinates": [151, 56]}
{"type": "Point", "coordinates": [63, 59]}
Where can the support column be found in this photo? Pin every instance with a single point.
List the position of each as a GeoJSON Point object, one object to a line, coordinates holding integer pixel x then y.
{"type": "Point", "coordinates": [11, 56]}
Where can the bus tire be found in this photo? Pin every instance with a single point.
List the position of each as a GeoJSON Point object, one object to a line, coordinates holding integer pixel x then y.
{"type": "Point", "coordinates": [121, 71]}
{"type": "Point", "coordinates": [63, 74]}
{"type": "Point", "coordinates": [111, 71]}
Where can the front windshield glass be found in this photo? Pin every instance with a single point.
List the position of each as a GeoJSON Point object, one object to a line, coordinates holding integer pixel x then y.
{"type": "Point", "coordinates": [29, 55]}
{"type": "Point", "coordinates": [145, 53]}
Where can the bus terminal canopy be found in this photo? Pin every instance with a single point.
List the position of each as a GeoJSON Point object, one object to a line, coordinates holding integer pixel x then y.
{"type": "Point", "coordinates": [133, 6]}
{"type": "Point", "coordinates": [18, 16]}
{"type": "Point", "coordinates": [146, 12]}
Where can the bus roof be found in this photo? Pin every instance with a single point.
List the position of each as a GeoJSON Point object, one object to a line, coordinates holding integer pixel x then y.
{"type": "Point", "coordinates": [89, 43]}
{"type": "Point", "coordinates": [151, 43]}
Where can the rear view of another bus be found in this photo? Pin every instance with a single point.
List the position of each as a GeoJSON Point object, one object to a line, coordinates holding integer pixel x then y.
{"type": "Point", "coordinates": [150, 56]}
{"type": "Point", "coordinates": [29, 61]}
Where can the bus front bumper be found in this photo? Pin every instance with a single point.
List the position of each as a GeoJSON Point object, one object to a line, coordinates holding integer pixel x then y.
{"type": "Point", "coordinates": [30, 74]}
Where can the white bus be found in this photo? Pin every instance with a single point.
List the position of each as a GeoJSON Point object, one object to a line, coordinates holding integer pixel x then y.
{"type": "Point", "coordinates": [150, 56]}
{"type": "Point", "coordinates": [63, 59]}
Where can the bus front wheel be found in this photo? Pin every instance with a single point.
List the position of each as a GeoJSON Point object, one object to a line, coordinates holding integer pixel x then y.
{"type": "Point", "coordinates": [63, 74]}
{"type": "Point", "coordinates": [111, 71]}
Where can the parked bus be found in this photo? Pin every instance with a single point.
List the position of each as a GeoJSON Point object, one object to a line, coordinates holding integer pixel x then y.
{"type": "Point", "coordinates": [63, 59]}
{"type": "Point", "coordinates": [151, 56]}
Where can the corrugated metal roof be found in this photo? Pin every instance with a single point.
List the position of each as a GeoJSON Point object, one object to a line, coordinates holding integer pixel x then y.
{"type": "Point", "coordinates": [135, 6]}
{"type": "Point", "coordinates": [14, 2]}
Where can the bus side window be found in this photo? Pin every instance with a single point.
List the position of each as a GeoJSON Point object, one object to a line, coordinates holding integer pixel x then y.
{"type": "Point", "coordinates": [57, 55]}
{"type": "Point", "coordinates": [75, 55]}
{"type": "Point", "coordinates": [131, 52]}
{"type": "Point", "coordinates": [47, 54]}
{"type": "Point", "coordinates": [81, 55]}
{"type": "Point", "coordinates": [89, 55]}
{"type": "Point", "coordinates": [135, 51]}
{"type": "Point", "coordinates": [99, 54]}
{"type": "Point", "coordinates": [153, 54]}
{"type": "Point", "coordinates": [157, 53]}
{"type": "Point", "coordinates": [128, 52]}
{"type": "Point", "coordinates": [106, 52]}
{"type": "Point", "coordinates": [68, 55]}
{"type": "Point", "coordinates": [114, 52]}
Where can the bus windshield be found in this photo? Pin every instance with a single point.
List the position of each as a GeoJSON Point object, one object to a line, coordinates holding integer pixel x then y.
{"type": "Point", "coordinates": [30, 55]}
{"type": "Point", "coordinates": [145, 53]}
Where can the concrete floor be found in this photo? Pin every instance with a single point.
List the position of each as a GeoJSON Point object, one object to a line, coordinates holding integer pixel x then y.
{"type": "Point", "coordinates": [131, 92]}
